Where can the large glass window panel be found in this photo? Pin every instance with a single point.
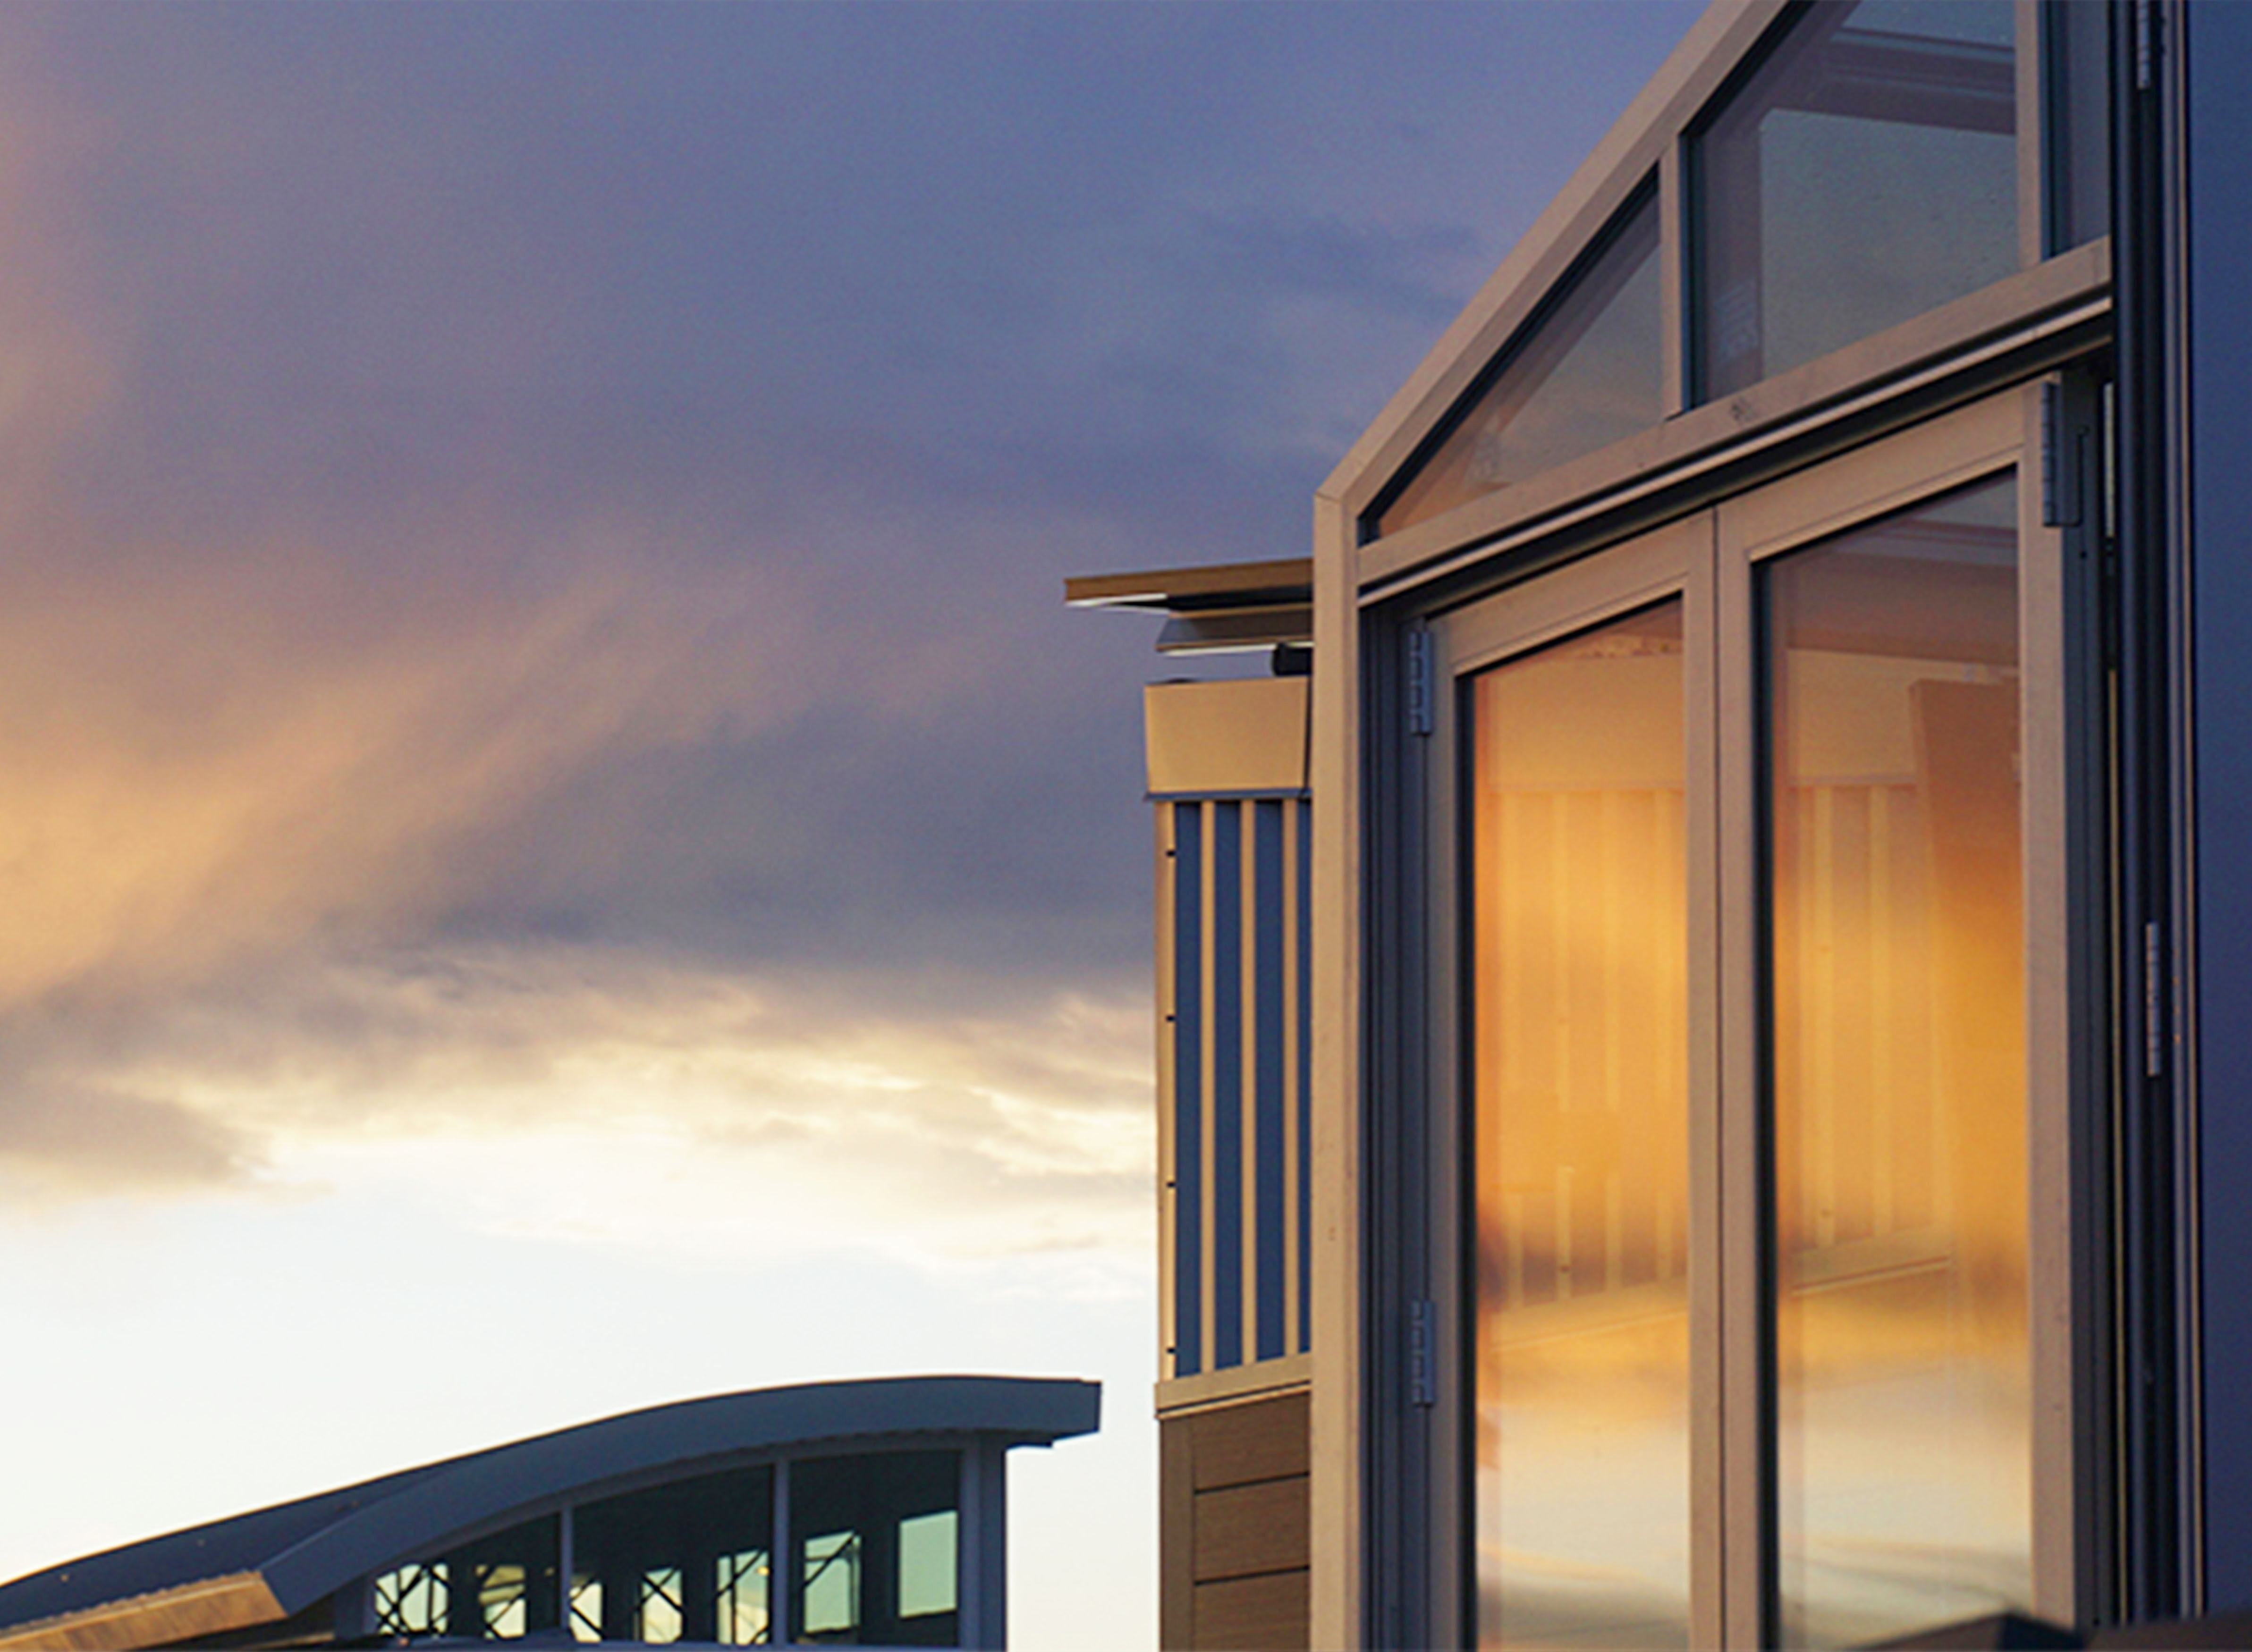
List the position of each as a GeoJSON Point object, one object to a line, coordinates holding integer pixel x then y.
{"type": "Point", "coordinates": [1586, 374]}
{"type": "Point", "coordinates": [1903, 1403]}
{"type": "Point", "coordinates": [1865, 173]}
{"type": "Point", "coordinates": [1580, 1007]}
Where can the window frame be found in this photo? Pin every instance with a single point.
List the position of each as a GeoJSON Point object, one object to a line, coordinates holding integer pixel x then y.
{"type": "Point", "coordinates": [1658, 136]}
{"type": "Point", "coordinates": [1709, 556]}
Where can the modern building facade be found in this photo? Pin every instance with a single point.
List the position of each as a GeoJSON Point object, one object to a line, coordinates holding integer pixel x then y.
{"type": "Point", "coordinates": [1777, 1009]}
{"type": "Point", "coordinates": [868, 1513]}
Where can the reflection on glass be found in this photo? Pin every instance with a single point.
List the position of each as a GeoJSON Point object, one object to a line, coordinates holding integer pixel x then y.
{"type": "Point", "coordinates": [928, 1564]}
{"type": "Point", "coordinates": [1903, 1404]}
{"type": "Point", "coordinates": [661, 1600]}
{"type": "Point", "coordinates": [2078, 53]}
{"type": "Point", "coordinates": [1587, 375]}
{"type": "Point", "coordinates": [833, 1584]}
{"type": "Point", "coordinates": [1581, 1071]}
{"type": "Point", "coordinates": [1865, 173]}
{"type": "Point", "coordinates": [741, 1618]}
{"type": "Point", "coordinates": [586, 1607]}
{"type": "Point", "coordinates": [500, 1601]}
{"type": "Point", "coordinates": [411, 1600]}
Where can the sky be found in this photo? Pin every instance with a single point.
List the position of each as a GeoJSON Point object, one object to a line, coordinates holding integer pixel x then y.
{"type": "Point", "coordinates": [560, 849]}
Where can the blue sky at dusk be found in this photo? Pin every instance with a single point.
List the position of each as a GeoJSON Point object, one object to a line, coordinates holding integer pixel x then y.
{"type": "Point", "coordinates": [561, 850]}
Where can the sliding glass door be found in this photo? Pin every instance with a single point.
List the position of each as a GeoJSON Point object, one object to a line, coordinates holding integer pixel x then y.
{"type": "Point", "coordinates": [1734, 1034]}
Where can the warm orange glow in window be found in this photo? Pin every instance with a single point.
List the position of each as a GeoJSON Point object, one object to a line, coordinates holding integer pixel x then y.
{"type": "Point", "coordinates": [1580, 1062]}
{"type": "Point", "coordinates": [1904, 1404]}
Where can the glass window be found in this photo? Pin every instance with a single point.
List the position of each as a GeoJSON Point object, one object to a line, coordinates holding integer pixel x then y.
{"type": "Point", "coordinates": [586, 1606]}
{"type": "Point", "coordinates": [688, 1561]}
{"type": "Point", "coordinates": [876, 1548]}
{"type": "Point", "coordinates": [1903, 1409]}
{"type": "Point", "coordinates": [744, 1579]}
{"type": "Point", "coordinates": [660, 1616]}
{"type": "Point", "coordinates": [1585, 373]}
{"type": "Point", "coordinates": [1579, 1014]}
{"type": "Point", "coordinates": [2078, 42]}
{"type": "Point", "coordinates": [498, 1588]}
{"type": "Point", "coordinates": [412, 1600]}
{"type": "Point", "coordinates": [929, 1564]}
{"type": "Point", "coordinates": [1866, 172]}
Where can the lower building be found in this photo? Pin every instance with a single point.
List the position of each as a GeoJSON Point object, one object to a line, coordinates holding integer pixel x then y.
{"type": "Point", "coordinates": [870, 1513]}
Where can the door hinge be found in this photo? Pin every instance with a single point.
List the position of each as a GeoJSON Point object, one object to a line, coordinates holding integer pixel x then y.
{"type": "Point", "coordinates": [1422, 679]}
{"type": "Point", "coordinates": [1422, 1359]}
{"type": "Point", "coordinates": [2153, 1034]}
{"type": "Point", "coordinates": [2107, 447]}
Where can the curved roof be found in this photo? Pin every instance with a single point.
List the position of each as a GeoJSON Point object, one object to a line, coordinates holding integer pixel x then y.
{"type": "Point", "coordinates": [271, 1563]}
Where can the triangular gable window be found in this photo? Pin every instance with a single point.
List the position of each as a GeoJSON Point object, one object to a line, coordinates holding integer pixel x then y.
{"type": "Point", "coordinates": [1866, 172]}
{"type": "Point", "coordinates": [1583, 374]}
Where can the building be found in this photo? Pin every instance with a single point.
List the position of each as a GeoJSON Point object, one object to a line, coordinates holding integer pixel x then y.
{"type": "Point", "coordinates": [885, 1499]}
{"type": "Point", "coordinates": [1778, 1011]}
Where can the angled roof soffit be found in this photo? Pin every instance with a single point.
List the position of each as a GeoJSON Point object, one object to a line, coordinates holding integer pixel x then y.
{"type": "Point", "coordinates": [1627, 155]}
{"type": "Point", "coordinates": [207, 1606]}
{"type": "Point", "coordinates": [265, 1565]}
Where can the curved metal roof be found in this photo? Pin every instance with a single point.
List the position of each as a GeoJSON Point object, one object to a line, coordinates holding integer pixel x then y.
{"type": "Point", "coordinates": [274, 1562]}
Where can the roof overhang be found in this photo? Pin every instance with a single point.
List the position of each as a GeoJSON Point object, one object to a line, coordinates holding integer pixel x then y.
{"type": "Point", "coordinates": [1219, 608]}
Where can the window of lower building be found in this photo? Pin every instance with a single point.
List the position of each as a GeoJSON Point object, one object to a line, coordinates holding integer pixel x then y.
{"type": "Point", "coordinates": [878, 1559]}
{"type": "Point", "coordinates": [688, 1561]}
{"type": "Point", "coordinates": [498, 1588]}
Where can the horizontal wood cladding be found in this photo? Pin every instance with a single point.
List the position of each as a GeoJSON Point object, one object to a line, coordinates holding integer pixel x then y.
{"type": "Point", "coordinates": [1264, 1441]}
{"type": "Point", "coordinates": [1246, 1530]}
{"type": "Point", "coordinates": [1248, 1613]}
{"type": "Point", "coordinates": [1233, 1522]}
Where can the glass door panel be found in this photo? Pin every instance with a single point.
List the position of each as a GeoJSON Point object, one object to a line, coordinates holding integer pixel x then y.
{"type": "Point", "coordinates": [1580, 1055]}
{"type": "Point", "coordinates": [1897, 1063]}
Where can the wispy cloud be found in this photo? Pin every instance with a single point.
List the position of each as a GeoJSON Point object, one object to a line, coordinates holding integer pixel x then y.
{"type": "Point", "coordinates": [588, 1095]}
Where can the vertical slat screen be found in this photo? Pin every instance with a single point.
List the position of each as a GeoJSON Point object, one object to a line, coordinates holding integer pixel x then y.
{"type": "Point", "coordinates": [1239, 1148]}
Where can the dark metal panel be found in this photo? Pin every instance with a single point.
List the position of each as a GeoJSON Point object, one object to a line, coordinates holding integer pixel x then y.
{"type": "Point", "coordinates": [1188, 1089]}
{"type": "Point", "coordinates": [1227, 1084]}
{"type": "Point", "coordinates": [2218, 235]}
{"type": "Point", "coordinates": [1268, 1185]}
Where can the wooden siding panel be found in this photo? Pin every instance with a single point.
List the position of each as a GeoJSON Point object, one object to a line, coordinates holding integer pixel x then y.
{"type": "Point", "coordinates": [1175, 1534]}
{"type": "Point", "coordinates": [1265, 1440]}
{"type": "Point", "coordinates": [1251, 1529]}
{"type": "Point", "coordinates": [1252, 1612]}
